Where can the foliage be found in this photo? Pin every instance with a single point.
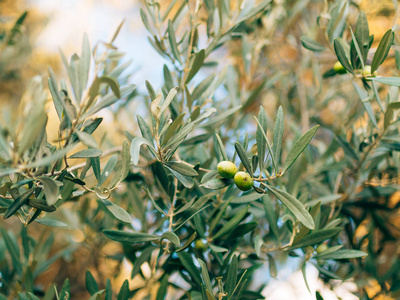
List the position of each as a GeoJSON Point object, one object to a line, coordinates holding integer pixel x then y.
{"type": "Point", "coordinates": [186, 230]}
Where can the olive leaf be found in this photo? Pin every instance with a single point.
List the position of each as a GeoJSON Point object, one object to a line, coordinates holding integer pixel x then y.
{"type": "Point", "coordinates": [295, 206]}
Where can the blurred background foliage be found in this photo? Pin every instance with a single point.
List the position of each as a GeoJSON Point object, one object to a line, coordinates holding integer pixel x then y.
{"type": "Point", "coordinates": [272, 69]}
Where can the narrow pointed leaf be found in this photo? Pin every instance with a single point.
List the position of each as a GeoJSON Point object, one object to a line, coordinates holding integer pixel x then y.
{"type": "Point", "coordinates": [137, 142]}
{"type": "Point", "coordinates": [118, 212]}
{"type": "Point", "coordinates": [21, 200]}
{"type": "Point", "coordinates": [50, 189]}
{"type": "Point", "coordinates": [341, 254]}
{"type": "Point", "coordinates": [295, 206]}
{"type": "Point", "coordinates": [311, 45]}
{"type": "Point", "coordinates": [172, 237]}
{"type": "Point", "coordinates": [383, 50]}
{"type": "Point", "coordinates": [243, 157]}
{"type": "Point", "coordinates": [316, 237]}
{"type": "Point", "coordinates": [87, 153]}
{"type": "Point", "coordinates": [181, 168]}
{"type": "Point", "coordinates": [299, 147]}
{"type": "Point", "coordinates": [278, 134]}
{"type": "Point", "coordinates": [197, 63]}
{"type": "Point", "coordinates": [130, 237]}
{"type": "Point", "coordinates": [341, 55]}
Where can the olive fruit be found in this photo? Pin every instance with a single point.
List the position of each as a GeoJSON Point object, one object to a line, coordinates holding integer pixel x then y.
{"type": "Point", "coordinates": [339, 69]}
{"type": "Point", "coordinates": [226, 169]}
{"type": "Point", "coordinates": [367, 72]}
{"type": "Point", "coordinates": [321, 248]}
{"type": "Point", "coordinates": [199, 245]}
{"type": "Point", "coordinates": [243, 181]}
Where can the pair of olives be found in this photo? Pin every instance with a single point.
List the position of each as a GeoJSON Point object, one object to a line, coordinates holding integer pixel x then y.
{"type": "Point", "coordinates": [243, 180]}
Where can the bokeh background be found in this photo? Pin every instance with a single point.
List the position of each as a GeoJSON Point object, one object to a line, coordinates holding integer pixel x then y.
{"type": "Point", "coordinates": [60, 24]}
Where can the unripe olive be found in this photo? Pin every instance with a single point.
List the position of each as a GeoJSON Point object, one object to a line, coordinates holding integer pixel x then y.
{"type": "Point", "coordinates": [243, 181]}
{"type": "Point", "coordinates": [321, 248]}
{"type": "Point", "coordinates": [367, 72]}
{"type": "Point", "coordinates": [339, 69]}
{"type": "Point", "coordinates": [199, 245]}
{"type": "Point", "coordinates": [226, 169]}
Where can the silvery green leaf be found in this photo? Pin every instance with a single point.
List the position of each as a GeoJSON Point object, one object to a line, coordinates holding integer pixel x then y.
{"type": "Point", "coordinates": [312, 45]}
{"type": "Point", "coordinates": [180, 136]}
{"type": "Point", "coordinates": [250, 197]}
{"type": "Point", "coordinates": [185, 180]}
{"type": "Point", "coordinates": [273, 270]}
{"type": "Point", "coordinates": [168, 99]}
{"type": "Point", "coordinates": [295, 206]}
{"type": "Point", "coordinates": [221, 148]}
{"type": "Point", "coordinates": [197, 63]}
{"type": "Point", "coordinates": [217, 249]}
{"type": "Point", "coordinates": [342, 57]}
{"type": "Point", "coordinates": [136, 143]}
{"type": "Point", "coordinates": [169, 81]}
{"type": "Point", "coordinates": [338, 20]}
{"type": "Point", "coordinates": [258, 242]}
{"type": "Point", "coordinates": [383, 50]}
{"type": "Point", "coordinates": [41, 204]}
{"type": "Point", "coordinates": [341, 254]}
{"type": "Point", "coordinates": [130, 237]}
{"type": "Point", "coordinates": [316, 237]}
{"type": "Point", "coordinates": [299, 147]}
{"type": "Point", "coordinates": [181, 168]}
{"type": "Point", "coordinates": [389, 113]}
{"type": "Point", "coordinates": [216, 183]}
{"type": "Point", "coordinates": [87, 139]}
{"type": "Point", "coordinates": [87, 153]}
{"type": "Point", "coordinates": [261, 138]}
{"type": "Point", "coordinates": [362, 35]}
{"type": "Point", "coordinates": [146, 22]}
{"type": "Point", "coordinates": [172, 129]}
{"type": "Point", "coordinates": [108, 168]}
{"type": "Point", "coordinates": [222, 116]}
{"type": "Point", "coordinates": [278, 134]}
{"type": "Point", "coordinates": [156, 206]}
{"type": "Point", "coordinates": [47, 160]}
{"type": "Point", "coordinates": [202, 87]}
{"type": "Point", "coordinates": [51, 222]}
{"type": "Point", "coordinates": [393, 81]}
{"type": "Point", "coordinates": [172, 42]}
{"type": "Point", "coordinates": [172, 237]}
{"type": "Point", "coordinates": [84, 64]}
{"type": "Point", "coordinates": [50, 188]}
{"type": "Point", "coordinates": [118, 212]}
{"type": "Point", "coordinates": [17, 203]}
{"type": "Point", "coordinates": [205, 275]}
{"type": "Point", "coordinates": [231, 277]}
{"type": "Point", "coordinates": [110, 99]}
{"type": "Point", "coordinates": [364, 100]}
{"type": "Point", "coordinates": [53, 87]}
{"type": "Point", "coordinates": [243, 157]}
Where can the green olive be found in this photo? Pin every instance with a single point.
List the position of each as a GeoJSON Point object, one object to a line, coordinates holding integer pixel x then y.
{"type": "Point", "coordinates": [243, 181]}
{"type": "Point", "coordinates": [321, 248]}
{"type": "Point", "coordinates": [367, 72]}
{"type": "Point", "coordinates": [227, 169]}
{"type": "Point", "coordinates": [199, 245]}
{"type": "Point", "coordinates": [339, 69]}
